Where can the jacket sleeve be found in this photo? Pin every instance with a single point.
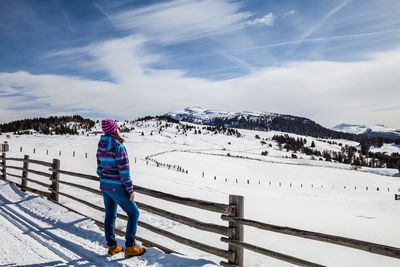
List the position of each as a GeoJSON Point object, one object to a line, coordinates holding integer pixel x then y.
{"type": "Point", "coordinates": [121, 157]}
{"type": "Point", "coordinates": [99, 167]}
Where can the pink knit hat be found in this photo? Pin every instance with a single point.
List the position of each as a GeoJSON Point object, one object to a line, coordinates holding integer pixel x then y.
{"type": "Point", "coordinates": [109, 126]}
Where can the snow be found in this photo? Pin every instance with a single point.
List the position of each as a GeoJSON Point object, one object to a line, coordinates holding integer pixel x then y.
{"type": "Point", "coordinates": [307, 194]}
{"type": "Point", "coordinates": [386, 148]}
{"type": "Point", "coordinates": [360, 129]}
{"type": "Point", "coordinates": [350, 128]}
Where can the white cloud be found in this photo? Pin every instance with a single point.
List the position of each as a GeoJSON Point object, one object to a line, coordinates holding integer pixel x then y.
{"type": "Point", "coordinates": [267, 20]}
{"type": "Point", "coordinates": [291, 12]}
{"type": "Point", "coordinates": [328, 92]}
{"type": "Point", "coordinates": [182, 20]}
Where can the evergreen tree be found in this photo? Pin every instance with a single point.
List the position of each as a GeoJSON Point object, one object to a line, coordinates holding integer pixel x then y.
{"type": "Point", "coordinates": [356, 162]}
{"type": "Point", "coordinates": [312, 144]}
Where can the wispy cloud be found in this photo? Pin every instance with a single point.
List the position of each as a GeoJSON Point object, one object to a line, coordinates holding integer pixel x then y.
{"type": "Point", "coordinates": [325, 18]}
{"type": "Point", "coordinates": [267, 20]}
{"type": "Point", "coordinates": [183, 20]}
{"type": "Point", "coordinates": [291, 12]}
{"type": "Point", "coordinates": [319, 39]}
{"type": "Point", "coordinates": [236, 60]}
{"type": "Point", "coordinates": [103, 12]}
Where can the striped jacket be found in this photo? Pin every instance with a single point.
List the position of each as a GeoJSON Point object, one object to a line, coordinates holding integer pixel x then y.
{"type": "Point", "coordinates": [113, 165]}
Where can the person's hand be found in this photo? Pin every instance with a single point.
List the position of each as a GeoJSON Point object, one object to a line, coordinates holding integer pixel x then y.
{"type": "Point", "coordinates": [132, 197]}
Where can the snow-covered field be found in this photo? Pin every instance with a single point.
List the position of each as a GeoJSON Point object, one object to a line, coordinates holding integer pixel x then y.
{"type": "Point", "coordinates": [302, 193]}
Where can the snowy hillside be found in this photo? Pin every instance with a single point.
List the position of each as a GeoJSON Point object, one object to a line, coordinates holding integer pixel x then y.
{"type": "Point", "coordinates": [304, 192]}
{"type": "Point", "coordinates": [376, 130]}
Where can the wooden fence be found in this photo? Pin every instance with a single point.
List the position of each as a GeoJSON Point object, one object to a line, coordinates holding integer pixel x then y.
{"type": "Point", "coordinates": [233, 212]}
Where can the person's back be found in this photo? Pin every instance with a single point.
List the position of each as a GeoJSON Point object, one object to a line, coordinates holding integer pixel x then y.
{"type": "Point", "coordinates": [113, 165]}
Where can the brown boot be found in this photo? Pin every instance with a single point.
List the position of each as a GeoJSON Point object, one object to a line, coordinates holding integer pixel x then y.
{"type": "Point", "coordinates": [114, 249]}
{"type": "Point", "coordinates": [134, 251]}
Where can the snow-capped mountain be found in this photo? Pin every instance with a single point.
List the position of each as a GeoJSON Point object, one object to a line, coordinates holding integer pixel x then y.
{"type": "Point", "coordinates": [376, 130]}
{"type": "Point", "coordinates": [254, 120]}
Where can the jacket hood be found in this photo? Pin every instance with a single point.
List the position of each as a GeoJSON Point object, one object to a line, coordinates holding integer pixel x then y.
{"type": "Point", "coordinates": [108, 143]}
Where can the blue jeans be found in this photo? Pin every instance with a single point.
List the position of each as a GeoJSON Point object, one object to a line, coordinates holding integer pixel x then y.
{"type": "Point", "coordinates": [121, 198]}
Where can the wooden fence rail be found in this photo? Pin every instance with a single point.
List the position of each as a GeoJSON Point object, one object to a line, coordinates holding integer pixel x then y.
{"type": "Point", "coordinates": [233, 234]}
{"type": "Point", "coordinates": [197, 203]}
{"type": "Point", "coordinates": [338, 240]}
{"type": "Point", "coordinates": [26, 159]}
{"type": "Point", "coordinates": [270, 253]}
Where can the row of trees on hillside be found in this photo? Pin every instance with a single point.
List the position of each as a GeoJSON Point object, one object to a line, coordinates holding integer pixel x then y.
{"type": "Point", "coordinates": [347, 155]}
{"type": "Point", "coordinates": [50, 125]}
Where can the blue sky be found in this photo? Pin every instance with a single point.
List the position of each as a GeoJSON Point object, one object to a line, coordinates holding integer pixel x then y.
{"type": "Point", "coordinates": [330, 61]}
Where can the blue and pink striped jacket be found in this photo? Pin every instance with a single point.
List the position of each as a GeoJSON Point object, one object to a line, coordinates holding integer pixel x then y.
{"type": "Point", "coordinates": [113, 165]}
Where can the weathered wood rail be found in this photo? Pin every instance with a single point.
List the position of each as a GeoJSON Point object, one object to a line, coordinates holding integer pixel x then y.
{"type": "Point", "coordinates": [232, 213]}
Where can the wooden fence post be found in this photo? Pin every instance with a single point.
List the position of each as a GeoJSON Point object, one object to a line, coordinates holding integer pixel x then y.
{"type": "Point", "coordinates": [54, 187]}
{"type": "Point", "coordinates": [24, 182]}
{"type": "Point", "coordinates": [237, 201]}
{"type": "Point", "coordinates": [3, 164]}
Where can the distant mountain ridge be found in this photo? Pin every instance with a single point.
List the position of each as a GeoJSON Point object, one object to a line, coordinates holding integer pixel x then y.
{"type": "Point", "coordinates": [257, 121]}
{"type": "Point", "coordinates": [375, 131]}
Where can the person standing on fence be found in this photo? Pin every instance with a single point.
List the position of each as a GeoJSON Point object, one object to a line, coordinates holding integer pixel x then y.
{"type": "Point", "coordinates": [117, 188]}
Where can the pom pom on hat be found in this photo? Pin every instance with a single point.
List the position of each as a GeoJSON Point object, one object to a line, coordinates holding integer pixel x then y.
{"type": "Point", "coordinates": [109, 126]}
